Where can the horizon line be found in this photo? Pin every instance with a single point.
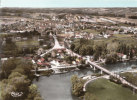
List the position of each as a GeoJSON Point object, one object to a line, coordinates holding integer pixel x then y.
{"type": "Point", "coordinates": [65, 7]}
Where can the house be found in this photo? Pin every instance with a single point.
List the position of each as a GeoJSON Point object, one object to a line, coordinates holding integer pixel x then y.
{"type": "Point", "coordinates": [41, 60]}
{"type": "Point", "coordinates": [39, 63]}
{"type": "Point", "coordinates": [74, 62]}
{"type": "Point", "coordinates": [40, 51]}
{"type": "Point", "coordinates": [46, 64]}
{"type": "Point", "coordinates": [25, 38]}
{"type": "Point", "coordinates": [54, 63]}
{"type": "Point", "coordinates": [44, 45]}
{"type": "Point", "coordinates": [4, 59]}
{"type": "Point", "coordinates": [33, 62]}
{"type": "Point", "coordinates": [78, 36]}
{"type": "Point", "coordinates": [40, 39]}
{"type": "Point", "coordinates": [106, 36]}
{"type": "Point", "coordinates": [53, 53]}
{"type": "Point", "coordinates": [116, 32]}
{"type": "Point", "coordinates": [122, 56]}
{"type": "Point", "coordinates": [18, 38]}
{"type": "Point", "coordinates": [28, 58]}
{"type": "Point", "coordinates": [77, 60]}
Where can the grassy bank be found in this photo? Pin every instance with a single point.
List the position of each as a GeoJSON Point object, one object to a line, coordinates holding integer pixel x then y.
{"type": "Point", "coordinates": [103, 89]}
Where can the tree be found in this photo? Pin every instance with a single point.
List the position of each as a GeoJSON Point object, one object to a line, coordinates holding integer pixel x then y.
{"type": "Point", "coordinates": [89, 50]}
{"type": "Point", "coordinates": [33, 93]}
{"type": "Point", "coordinates": [7, 68]}
{"type": "Point", "coordinates": [18, 79]}
{"type": "Point", "coordinates": [82, 50]}
{"type": "Point", "coordinates": [111, 58]}
{"type": "Point", "coordinates": [69, 59]}
{"type": "Point", "coordinates": [16, 83]}
{"type": "Point", "coordinates": [14, 74]}
{"type": "Point", "coordinates": [83, 46]}
{"type": "Point", "coordinates": [97, 52]}
{"type": "Point", "coordinates": [38, 98]}
{"type": "Point", "coordinates": [131, 77]}
{"type": "Point", "coordinates": [20, 83]}
{"type": "Point", "coordinates": [41, 42]}
{"type": "Point", "coordinates": [10, 47]}
{"type": "Point", "coordinates": [72, 47]}
{"type": "Point", "coordinates": [77, 86]}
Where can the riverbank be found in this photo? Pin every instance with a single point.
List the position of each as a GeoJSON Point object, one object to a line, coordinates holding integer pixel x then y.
{"type": "Point", "coordinates": [130, 77]}
{"type": "Point", "coordinates": [103, 89]}
{"type": "Point", "coordinates": [58, 86]}
{"type": "Point", "coordinates": [58, 70]}
{"type": "Point", "coordinates": [16, 81]}
{"type": "Point", "coordinates": [47, 86]}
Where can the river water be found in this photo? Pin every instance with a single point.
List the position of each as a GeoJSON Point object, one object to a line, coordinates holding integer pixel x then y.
{"type": "Point", "coordinates": [58, 87]}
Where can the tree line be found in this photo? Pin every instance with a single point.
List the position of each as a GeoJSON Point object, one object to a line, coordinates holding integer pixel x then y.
{"type": "Point", "coordinates": [107, 49]}
{"type": "Point", "coordinates": [16, 76]}
{"type": "Point", "coordinates": [9, 48]}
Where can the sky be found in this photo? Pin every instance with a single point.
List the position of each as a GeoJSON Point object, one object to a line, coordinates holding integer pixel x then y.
{"type": "Point", "coordinates": [68, 3]}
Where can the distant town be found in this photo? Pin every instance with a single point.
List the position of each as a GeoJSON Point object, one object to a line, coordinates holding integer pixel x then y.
{"type": "Point", "coordinates": [46, 44]}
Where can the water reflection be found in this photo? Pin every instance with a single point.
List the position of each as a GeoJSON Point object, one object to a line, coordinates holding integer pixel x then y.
{"type": "Point", "coordinates": [58, 87]}
{"type": "Point", "coordinates": [121, 66]}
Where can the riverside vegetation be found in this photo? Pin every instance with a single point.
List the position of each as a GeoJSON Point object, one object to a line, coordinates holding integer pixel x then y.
{"type": "Point", "coordinates": [16, 77]}
{"type": "Point", "coordinates": [106, 48]}
{"type": "Point", "coordinates": [103, 89]}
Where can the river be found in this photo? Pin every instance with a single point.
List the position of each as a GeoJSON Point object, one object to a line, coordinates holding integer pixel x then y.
{"type": "Point", "coordinates": [58, 87]}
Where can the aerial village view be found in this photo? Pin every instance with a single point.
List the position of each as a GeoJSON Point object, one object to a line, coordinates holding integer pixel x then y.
{"type": "Point", "coordinates": [68, 53]}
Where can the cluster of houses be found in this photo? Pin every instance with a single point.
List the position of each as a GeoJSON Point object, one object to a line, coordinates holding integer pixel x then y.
{"type": "Point", "coordinates": [72, 25]}
{"type": "Point", "coordinates": [69, 24]}
{"type": "Point", "coordinates": [55, 58]}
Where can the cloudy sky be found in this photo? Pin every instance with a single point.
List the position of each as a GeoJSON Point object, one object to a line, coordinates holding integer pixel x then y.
{"type": "Point", "coordinates": [68, 3]}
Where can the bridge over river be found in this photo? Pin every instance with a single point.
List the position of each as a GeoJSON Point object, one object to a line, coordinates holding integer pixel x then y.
{"type": "Point", "coordinates": [95, 65]}
{"type": "Point", "coordinates": [123, 81]}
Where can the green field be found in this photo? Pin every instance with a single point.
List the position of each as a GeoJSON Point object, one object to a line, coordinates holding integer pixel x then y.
{"type": "Point", "coordinates": [91, 31]}
{"type": "Point", "coordinates": [27, 43]}
{"type": "Point", "coordinates": [103, 89]}
{"type": "Point", "coordinates": [121, 35]}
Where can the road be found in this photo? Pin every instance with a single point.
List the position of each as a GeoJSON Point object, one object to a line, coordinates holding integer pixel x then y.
{"type": "Point", "coordinates": [84, 87]}
{"type": "Point", "coordinates": [58, 46]}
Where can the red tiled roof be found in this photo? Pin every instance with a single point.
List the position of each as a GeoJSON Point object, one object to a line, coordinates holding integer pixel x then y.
{"type": "Point", "coordinates": [120, 54]}
{"type": "Point", "coordinates": [27, 58]}
{"type": "Point", "coordinates": [46, 64]}
{"type": "Point", "coordinates": [42, 59]}
{"type": "Point", "coordinates": [39, 63]}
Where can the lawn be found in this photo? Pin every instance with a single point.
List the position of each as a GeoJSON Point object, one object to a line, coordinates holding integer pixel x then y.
{"type": "Point", "coordinates": [122, 35]}
{"type": "Point", "coordinates": [27, 43]}
{"type": "Point", "coordinates": [91, 31]}
{"type": "Point", "coordinates": [103, 89]}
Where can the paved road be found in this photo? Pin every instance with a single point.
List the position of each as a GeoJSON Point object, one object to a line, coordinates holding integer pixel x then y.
{"type": "Point", "coordinates": [113, 74]}
{"type": "Point", "coordinates": [58, 46]}
{"type": "Point", "coordinates": [84, 87]}
{"type": "Point", "coordinates": [106, 71]}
